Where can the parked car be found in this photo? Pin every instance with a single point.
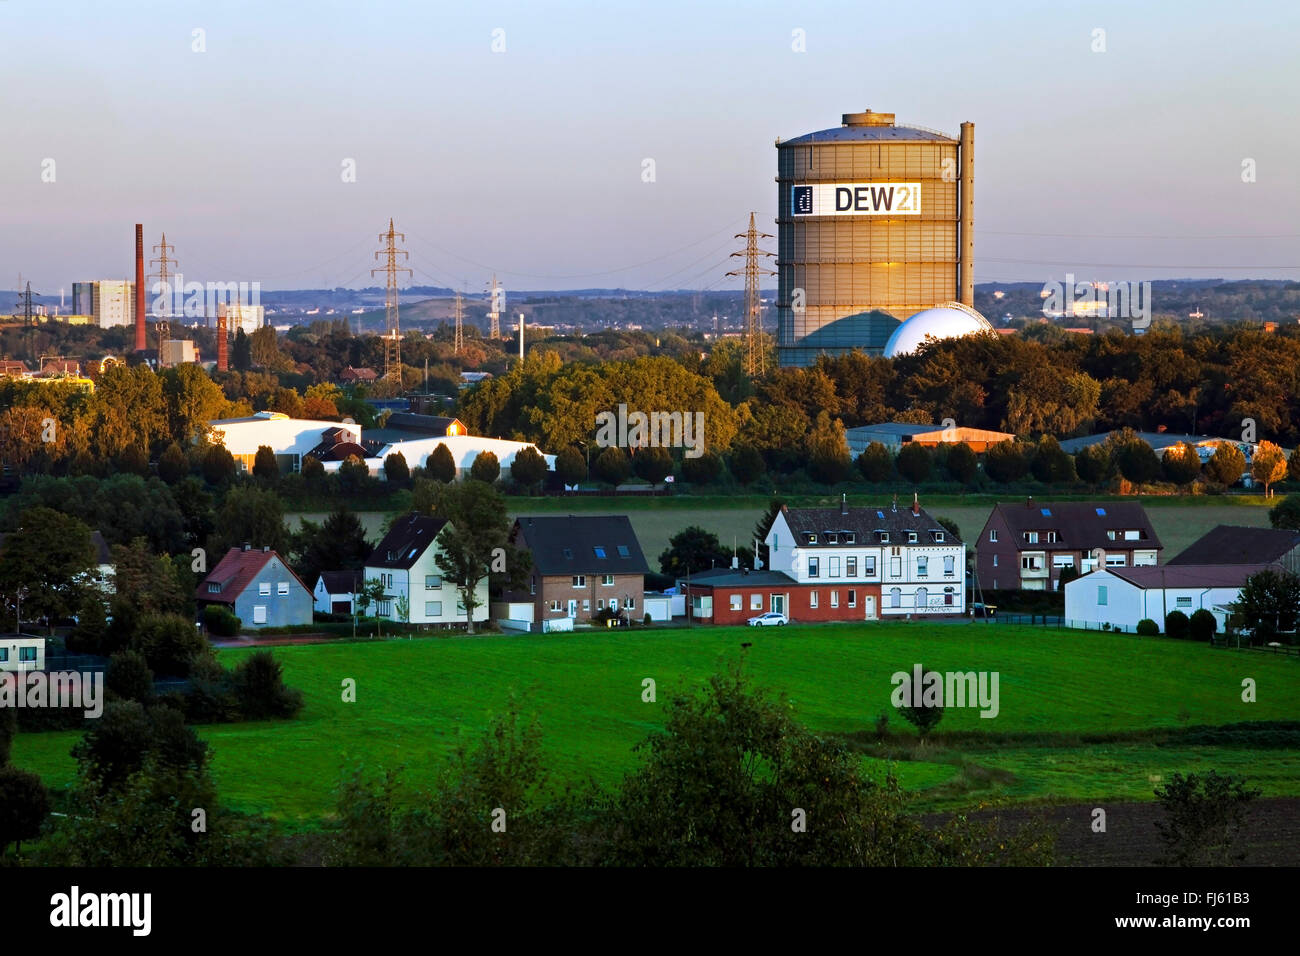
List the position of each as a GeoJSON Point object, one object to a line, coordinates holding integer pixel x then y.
{"type": "Point", "coordinates": [983, 610]}
{"type": "Point", "coordinates": [770, 619]}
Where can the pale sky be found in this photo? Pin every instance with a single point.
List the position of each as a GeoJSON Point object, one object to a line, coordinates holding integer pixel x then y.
{"type": "Point", "coordinates": [1122, 164]}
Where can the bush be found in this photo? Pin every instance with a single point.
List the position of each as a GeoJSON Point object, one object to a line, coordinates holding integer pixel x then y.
{"type": "Point", "coordinates": [1204, 813]}
{"type": "Point", "coordinates": [129, 676]}
{"type": "Point", "coordinates": [1177, 625]}
{"type": "Point", "coordinates": [747, 465]}
{"type": "Point", "coordinates": [914, 462]}
{"type": "Point", "coordinates": [1202, 625]}
{"type": "Point", "coordinates": [1147, 627]}
{"type": "Point", "coordinates": [220, 621]}
{"type": "Point", "coordinates": [170, 643]}
{"type": "Point", "coordinates": [260, 688]}
{"type": "Point", "coordinates": [612, 466]}
{"type": "Point", "coordinates": [647, 620]}
{"type": "Point", "coordinates": [703, 470]}
{"type": "Point", "coordinates": [24, 805]}
{"type": "Point", "coordinates": [485, 468]}
{"type": "Point", "coordinates": [396, 470]}
{"type": "Point", "coordinates": [875, 463]}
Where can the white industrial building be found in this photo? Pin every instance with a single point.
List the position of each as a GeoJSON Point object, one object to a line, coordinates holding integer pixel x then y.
{"type": "Point", "coordinates": [1121, 597]}
{"type": "Point", "coordinates": [292, 439]}
{"type": "Point", "coordinates": [464, 449]}
{"type": "Point", "coordinates": [113, 302]}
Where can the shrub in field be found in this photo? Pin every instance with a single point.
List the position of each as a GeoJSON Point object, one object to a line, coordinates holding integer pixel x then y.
{"type": "Point", "coordinates": [1147, 627]}
{"type": "Point", "coordinates": [1177, 625]}
{"type": "Point", "coordinates": [1202, 625]}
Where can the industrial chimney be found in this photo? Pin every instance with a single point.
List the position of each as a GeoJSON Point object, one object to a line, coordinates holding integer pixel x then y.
{"type": "Point", "coordinates": [140, 341]}
{"type": "Point", "coordinates": [223, 340]}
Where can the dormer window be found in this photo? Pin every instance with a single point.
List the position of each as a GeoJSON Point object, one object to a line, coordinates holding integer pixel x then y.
{"type": "Point", "coordinates": [568, 553]}
{"type": "Point", "coordinates": [214, 588]}
{"type": "Point", "coordinates": [850, 537]}
{"type": "Point", "coordinates": [832, 537]}
{"type": "Point", "coordinates": [911, 537]}
{"type": "Point", "coordinates": [812, 537]}
{"type": "Point", "coordinates": [884, 537]}
{"type": "Point", "coordinates": [938, 536]}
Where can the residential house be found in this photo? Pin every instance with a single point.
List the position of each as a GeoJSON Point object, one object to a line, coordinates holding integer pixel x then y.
{"type": "Point", "coordinates": [841, 564]}
{"type": "Point", "coordinates": [19, 652]}
{"type": "Point", "coordinates": [1229, 544]}
{"type": "Point", "coordinates": [581, 564]}
{"type": "Point", "coordinates": [1122, 596]}
{"type": "Point", "coordinates": [1026, 546]}
{"type": "Point", "coordinates": [258, 587]}
{"type": "Point", "coordinates": [408, 560]}
{"type": "Point", "coordinates": [353, 376]}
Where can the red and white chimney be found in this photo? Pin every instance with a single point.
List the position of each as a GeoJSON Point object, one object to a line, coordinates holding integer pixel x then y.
{"type": "Point", "coordinates": [140, 341]}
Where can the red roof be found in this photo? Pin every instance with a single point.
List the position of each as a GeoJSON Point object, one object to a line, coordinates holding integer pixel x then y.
{"type": "Point", "coordinates": [235, 571]}
{"type": "Point", "coordinates": [1149, 577]}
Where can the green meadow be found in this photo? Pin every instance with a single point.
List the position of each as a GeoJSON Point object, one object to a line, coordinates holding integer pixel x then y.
{"type": "Point", "coordinates": [1081, 715]}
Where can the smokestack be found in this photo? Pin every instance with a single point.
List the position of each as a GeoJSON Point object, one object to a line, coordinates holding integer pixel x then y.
{"type": "Point", "coordinates": [967, 276]}
{"type": "Point", "coordinates": [140, 341]}
{"type": "Point", "coordinates": [521, 336]}
{"type": "Point", "coordinates": [223, 345]}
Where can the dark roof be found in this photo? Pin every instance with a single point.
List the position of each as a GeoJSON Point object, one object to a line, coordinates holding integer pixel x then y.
{"type": "Point", "coordinates": [409, 538]}
{"type": "Point", "coordinates": [866, 524]}
{"type": "Point", "coordinates": [1230, 544]}
{"type": "Point", "coordinates": [337, 451]}
{"type": "Point", "coordinates": [574, 544]}
{"type": "Point", "coordinates": [235, 572]}
{"type": "Point", "coordinates": [1079, 525]}
{"type": "Point", "coordinates": [428, 424]}
{"type": "Point", "coordinates": [341, 582]}
{"type": "Point", "coordinates": [1187, 575]}
{"type": "Point", "coordinates": [726, 577]}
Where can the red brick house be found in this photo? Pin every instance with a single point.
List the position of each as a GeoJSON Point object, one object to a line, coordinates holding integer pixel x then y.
{"type": "Point", "coordinates": [733, 596]}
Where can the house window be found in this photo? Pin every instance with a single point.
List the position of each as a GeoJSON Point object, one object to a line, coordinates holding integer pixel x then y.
{"type": "Point", "coordinates": [911, 537]}
{"type": "Point", "coordinates": [282, 587]}
{"type": "Point", "coordinates": [1030, 564]}
{"type": "Point", "coordinates": [947, 596]}
{"type": "Point", "coordinates": [851, 567]}
{"type": "Point", "coordinates": [850, 537]}
{"type": "Point", "coordinates": [993, 535]}
{"type": "Point", "coordinates": [214, 588]}
{"type": "Point", "coordinates": [884, 537]}
{"type": "Point", "coordinates": [922, 598]}
{"type": "Point", "coordinates": [629, 602]}
{"type": "Point", "coordinates": [938, 536]}
{"type": "Point", "coordinates": [1051, 537]}
{"type": "Point", "coordinates": [26, 655]}
{"type": "Point", "coordinates": [623, 552]}
{"type": "Point", "coordinates": [568, 553]}
{"type": "Point", "coordinates": [1031, 537]}
{"type": "Point", "coordinates": [555, 605]}
{"type": "Point", "coordinates": [1110, 535]}
{"type": "Point", "coordinates": [1183, 601]}
{"type": "Point", "coordinates": [832, 537]}
{"type": "Point", "coordinates": [922, 567]}
{"type": "Point", "coordinates": [869, 566]}
{"type": "Point", "coordinates": [586, 604]}
{"type": "Point", "coordinates": [812, 598]}
{"type": "Point", "coordinates": [1130, 535]}
{"type": "Point", "coordinates": [1116, 560]}
{"type": "Point", "coordinates": [579, 580]}
{"type": "Point", "coordinates": [264, 589]}
{"type": "Point", "coordinates": [995, 560]}
{"type": "Point", "coordinates": [599, 552]}
{"type": "Point", "coordinates": [895, 567]}
{"type": "Point", "coordinates": [259, 613]}
{"type": "Point", "coordinates": [813, 567]}
{"type": "Point", "coordinates": [812, 539]}
{"type": "Point", "coordinates": [4, 654]}
{"type": "Point", "coordinates": [736, 602]}
{"type": "Point", "coordinates": [433, 609]}
{"type": "Point", "coordinates": [835, 567]}
{"type": "Point", "coordinates": [853, 597]}
{"type": "Point", "coordinates": [1101, 594]}
{"type": "Point", "coordinates": [895, 597]}
{"type": "Point", "coordinates": [835, 599]}
{"type": "Point", "coordinates": [607, 580]}
{"type": "Point", "coordinates": [433, 582]}
{"type": "Point", "coordinates": [949, 564]}
{"type": "Point", "coordinates": [1062, 560]}
{"type": "Point", "coordinates": [756, 602]}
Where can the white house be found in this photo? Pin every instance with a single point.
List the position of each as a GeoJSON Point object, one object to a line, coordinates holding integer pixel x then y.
{"type": "Point", "coordinates": [22, 653]}
{"type": "Point", "coordinates": [916, 565]}
{"type": "Point", "coordinates": [1121, 597]}
{"type": "Point", "coordinates": [335, 592]}
{"type": "Point", "coordinates": [464, 449]}
{"type": "Point", "coordinates": [407, 561]}
{"type": "Point", "coordinates": [292, 439]}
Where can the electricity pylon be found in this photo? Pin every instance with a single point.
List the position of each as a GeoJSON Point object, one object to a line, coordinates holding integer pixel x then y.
{"type": "Point", "coordinates": [498, 306]}
{"type": "Point", "coordinates": [755, 361]}
{"type": "Point", "coordinates": [392, 330]}
{"type": "Point", "coordinates": [460, 323]}
{"type": "Point", "coordinates": [165, 262]}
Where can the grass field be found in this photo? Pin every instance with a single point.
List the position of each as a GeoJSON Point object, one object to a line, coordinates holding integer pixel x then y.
{"type": "Point", "coordinates": [1092, 716]}
{"type": "Point", "coordinates": [1178, 520]}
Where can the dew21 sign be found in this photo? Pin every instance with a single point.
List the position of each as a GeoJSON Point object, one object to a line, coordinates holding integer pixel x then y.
{"type": "Point", "coordinates": [856, 199]}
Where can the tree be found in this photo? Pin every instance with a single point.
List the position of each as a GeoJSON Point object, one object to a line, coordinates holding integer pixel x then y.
{"type": "Point", "coordinates": [485, 468]}
{"type": "Point", "coordinates": [129, 676]}
{"type": "Point", "coordinates": [254, 516]}
{"type": "Point", "coordinates": [440, 465]}
{"type": "Point", "coordinates": [1268, 605]}
{"type": "Point", "coordinates": [172, 464]}
{"type": "Point", "coordinates": [920, 701]}
{"type": "Point", "coordinates": [1049, 464]}
{"type": "Point", "coordinates": [1226, 465]}
{"type": "Point", "coordinates": [528, 468]}
{"type": "Point", "coordinates": [1181, 464]}
{"type": "Point", "coordinates": [653, 464]}
{"type": "Point", "coordinates": [265, 467]}
{"type": "Point", "coordinates": [761, 530]}
{"type": "Point", "coordinates": [961, 464]}
{"type": "Point", "coordinates": [571, 466]}
{"type": "Point", "coordinates": [127, 735]}
{"type": "Point", "coordinates": [241, 354]}
{"type": "Point", "coordinates": [1268, 466]}
{"type": "Point", "coordinates": [1137, 462]}
{"type": "Point", "coordinates": [170, 643]}
{"type": "Point", "coordinates": [1177, 625]}
{"type": "Point", "coordinates": [1204, 814]}
{"type": "Point", "coordinates": [478, 530]}
{"type": "Point", "coordinates": [914, 462]}
{"type": "Point", "coordinates": [261, 691]}
{"type": "Point", "coordinates": [692, 550]}
{"type": "Point", "coordinates": [828, 450]}
{"type": "Point", "coordinates": [337, 544]}
{"type": "Point", "coordinates": [47, 564]}
{"type": "Point", "coordinates": [1286, 513]}
{"type": "Point", "coordinates": [24, 805]}
{"type": "Point", "coordinates": [1202, 625]}
{"type": "Point", "coordinates": [875, 463]}
{"type": "Point", "coordinates": [313, 470]}
{"type": "Point", "coordinates": [354, 475]}
{"type": "Point", "coordinates": [612, 466]}
{"type": "Point", "coordinates": [1005, 462]}
{"type": "Point", "coordinates": [193, 400]}
{"type": "Point", "coordinates": [218, 466]}
{"type": "Point", "coordinates": [703, 470]}
{"type": "Point", "coordinates": [396, 470]}
{"type": "Point", "coordinates": [1093, 464]}
{"type": "Point", "coordinates": [372, 593]}
{"type": "Point", "coordinates": [747, 464]}
{"type": "Point", "coordinates": [149, 582]}
{"type": "Point", "coordinates": [1293, 467]}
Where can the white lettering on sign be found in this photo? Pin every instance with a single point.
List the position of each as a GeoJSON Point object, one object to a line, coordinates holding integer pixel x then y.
{"type": "Point", "coordinates": [856, 199]}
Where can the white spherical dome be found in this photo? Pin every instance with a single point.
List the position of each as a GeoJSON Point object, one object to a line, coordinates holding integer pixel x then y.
{"type": "Point", "coordinates": [950, 320]}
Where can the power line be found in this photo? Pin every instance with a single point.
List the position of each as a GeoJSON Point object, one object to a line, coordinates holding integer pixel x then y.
{"type": "Point", "coordinates": [1066, 235]}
